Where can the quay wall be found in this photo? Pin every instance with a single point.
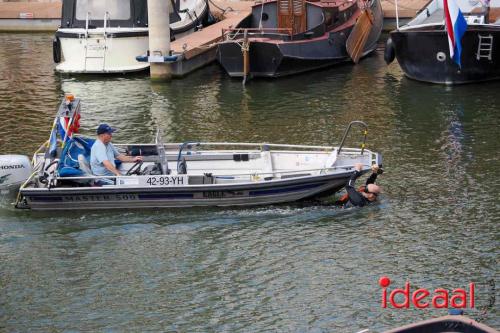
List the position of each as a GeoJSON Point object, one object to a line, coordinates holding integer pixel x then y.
{"type": "Point", "coordinates": [44, 15]}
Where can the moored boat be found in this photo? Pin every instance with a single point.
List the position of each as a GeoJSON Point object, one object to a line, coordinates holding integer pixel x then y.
{"type": "Point", "coordinates": [184, 174]}
{"type": "Point", "coordinates": [106, 36]}
{"type": "Point", "coordinates": [422, 48]}
{"type": "Point", "coordinates": [446, 324]}
{"type": "Point", "coordinates": [285, 37]}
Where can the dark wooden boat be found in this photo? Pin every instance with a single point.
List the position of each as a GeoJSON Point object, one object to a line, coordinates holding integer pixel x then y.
{"type": "Point", "coordinates": [446, 324]}
{"type": "Point", "coordinates": [284, 37]}
{"type": "Point", "coordinates": [421, 46]}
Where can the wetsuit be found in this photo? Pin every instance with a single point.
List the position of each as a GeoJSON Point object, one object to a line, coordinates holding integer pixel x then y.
{"type": "Point", "coordinates": [354, 198]}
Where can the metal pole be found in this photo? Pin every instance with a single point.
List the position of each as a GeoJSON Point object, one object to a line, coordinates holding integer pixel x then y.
{"type": "Point", "coordinates": [397, 14]}
{"type": "Point", "coordinates": [159, 37]}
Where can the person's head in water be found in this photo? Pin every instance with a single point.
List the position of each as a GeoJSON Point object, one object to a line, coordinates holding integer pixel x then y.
{"type": "Point", "coordinates": [371, 192]}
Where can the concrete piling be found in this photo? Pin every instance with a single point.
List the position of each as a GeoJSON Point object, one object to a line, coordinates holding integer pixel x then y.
{"type": "Point", "coordinates": [159, 37]}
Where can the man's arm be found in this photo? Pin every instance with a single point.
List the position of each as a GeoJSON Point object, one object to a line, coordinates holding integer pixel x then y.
{"type": "Point", "coordinates": [125, 158]}
{"type": "Point", "coordinates": [108, 165]}
{"type": "Point", "coordinates": [354, 196]}
{"type": "Point", "coordinates": [373, 176]}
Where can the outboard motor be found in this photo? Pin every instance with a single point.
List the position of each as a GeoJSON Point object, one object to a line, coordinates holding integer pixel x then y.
{"type": "Point", "coordinates": [14, 170]}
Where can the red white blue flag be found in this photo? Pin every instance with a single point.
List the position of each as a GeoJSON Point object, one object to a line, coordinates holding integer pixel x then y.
{"type": "Point", "coordinates": [455, 26]}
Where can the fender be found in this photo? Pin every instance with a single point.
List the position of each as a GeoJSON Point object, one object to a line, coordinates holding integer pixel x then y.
{"type": "Point", "coordinates": [56, 50]}
{"type": "Point", "coordinates": [390, 52]}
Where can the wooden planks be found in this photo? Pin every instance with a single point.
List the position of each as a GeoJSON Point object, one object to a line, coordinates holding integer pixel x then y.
{"type": "Point", "coordinates": [406, 8]}
{"type": "Point", "coordinates": [206, 39]}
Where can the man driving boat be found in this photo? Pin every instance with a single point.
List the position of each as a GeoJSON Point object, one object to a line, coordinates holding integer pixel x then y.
{"type": "Point", "coordinates": [103, 153]}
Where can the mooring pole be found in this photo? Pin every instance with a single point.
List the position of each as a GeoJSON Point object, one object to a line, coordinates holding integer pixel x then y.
{"type": "Point", "coordinates": [397, 14]}
{"type": "Point", "coordinates": [159, 38]}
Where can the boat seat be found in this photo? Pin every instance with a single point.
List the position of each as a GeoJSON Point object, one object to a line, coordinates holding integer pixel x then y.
{"type": "Point", "coordinates": [84, 165]}
{"type": "Point", "coordinates": [75, 158]}
{"type": "Point", "coordinates": [69, 165]}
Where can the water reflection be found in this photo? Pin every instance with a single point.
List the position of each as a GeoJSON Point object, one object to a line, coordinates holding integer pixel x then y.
{"type": "Point", "coordinates": [284, 268]}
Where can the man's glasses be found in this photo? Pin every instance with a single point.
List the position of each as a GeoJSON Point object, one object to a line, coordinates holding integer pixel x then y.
{"type": "Point", "coordinates": [366, 191]}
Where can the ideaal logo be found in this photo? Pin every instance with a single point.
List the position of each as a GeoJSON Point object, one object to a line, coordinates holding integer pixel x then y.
{"type": "Point", "coordinates": [422, 298]}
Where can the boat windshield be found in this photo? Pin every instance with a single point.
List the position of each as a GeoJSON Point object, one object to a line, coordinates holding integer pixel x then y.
{"type": "Point", "coordinates": [117, 9]}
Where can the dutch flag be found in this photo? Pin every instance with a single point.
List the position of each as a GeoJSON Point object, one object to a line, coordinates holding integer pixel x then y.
{"type": "Point", "coordinates": [455, 26]}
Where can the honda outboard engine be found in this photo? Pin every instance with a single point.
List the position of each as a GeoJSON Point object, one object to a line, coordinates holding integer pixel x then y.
{"type": "Point", "coordinates": [14, 170]}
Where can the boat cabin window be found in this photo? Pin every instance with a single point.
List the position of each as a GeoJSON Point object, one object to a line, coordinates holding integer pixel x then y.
{"type": "Point", "coordinates": [331, 16]}
{"type": "Point", "coordinates": [117, 9]}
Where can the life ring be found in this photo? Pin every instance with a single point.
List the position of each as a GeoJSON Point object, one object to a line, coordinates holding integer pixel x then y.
{"type": "Point", "coordinates": [390, 52]}
{"type": "Point", "coordinates": [56, 50]}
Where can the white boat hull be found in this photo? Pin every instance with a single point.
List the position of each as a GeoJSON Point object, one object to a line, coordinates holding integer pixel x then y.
{"type": "Point", "coordinates": [99, 54]}
{"type": "Point", "coordinates": [272, 192]}
{"type": "Point", "coordinates": [114, 49]}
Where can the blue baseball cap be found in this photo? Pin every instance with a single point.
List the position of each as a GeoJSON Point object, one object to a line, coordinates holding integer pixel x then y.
{"type": "Point", "coordinates": [105, 128]}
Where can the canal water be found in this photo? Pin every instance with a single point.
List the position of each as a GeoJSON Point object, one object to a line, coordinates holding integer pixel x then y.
{"type": "Point", "coordinates": [286, 268]}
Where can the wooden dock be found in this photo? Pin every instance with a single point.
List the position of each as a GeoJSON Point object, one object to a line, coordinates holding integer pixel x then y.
{"type": "Point", "coordinates": [406, 8]}
{"type": "Point", "coordinates": [36, 16]}
{"type": "Point", "coordinates": [199, 48]}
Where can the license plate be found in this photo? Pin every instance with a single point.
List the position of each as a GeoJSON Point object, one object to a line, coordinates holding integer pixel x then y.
{"type": "Point", "coordinates": [165, 181]}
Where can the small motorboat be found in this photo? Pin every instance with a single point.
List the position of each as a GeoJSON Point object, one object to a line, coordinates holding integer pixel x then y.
{"type": "Point", "coordinates": [422, 49]}
{"type": "Point", "coordinates": [179, 174]}
{"type": "Point", "coordinates": [99, 37]}
{"type": "Point", "coordinates": [446, 324]}
{"type": "Point", "coordinates": [284, 37]}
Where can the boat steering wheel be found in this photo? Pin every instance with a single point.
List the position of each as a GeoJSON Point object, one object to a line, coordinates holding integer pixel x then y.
{"type": "Point", "coordinates": [135, 169]}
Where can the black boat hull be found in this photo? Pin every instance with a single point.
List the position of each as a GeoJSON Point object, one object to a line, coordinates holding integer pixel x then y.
{"type": "Point", "coordinates": [277, 58]}
{"type": "Point", "coordinates": [424, 55]}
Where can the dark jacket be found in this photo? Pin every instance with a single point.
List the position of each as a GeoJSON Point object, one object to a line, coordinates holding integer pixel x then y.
{"type": "Point", "coordinates": [354, 198]}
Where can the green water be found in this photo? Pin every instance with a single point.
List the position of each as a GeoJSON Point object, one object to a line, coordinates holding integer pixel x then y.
{"type": "Point", "coordinates": [290, 268]}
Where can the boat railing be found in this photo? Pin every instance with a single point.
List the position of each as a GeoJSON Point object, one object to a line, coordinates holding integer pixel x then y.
{"type": "Point", "coordinates": [255, 31]}
{"type": "Point", "coordinates": [423, 25]}
{"type": "Point", "coordinates": [236, 144]}
{"type": "Point", "coordinates": [259, 146]}
{"type": "Point", "coordinates": [344, 137]}
{"type": "Point", "coordinates": [274, 172]}
{"type": "Point", "coordinates": [87, 24]}
{"type": "Point", "coordinates": [105, 23]}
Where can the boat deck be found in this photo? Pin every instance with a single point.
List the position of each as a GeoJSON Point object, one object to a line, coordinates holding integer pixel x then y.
{"type": "Point", "coordinates": [436, 17]}
{"type": "Point", "coordinates": [199, 49]}
{"type": "Point", "coordinates": [406, 8]}
{"type": "Point", "coordinates": [204, 40]}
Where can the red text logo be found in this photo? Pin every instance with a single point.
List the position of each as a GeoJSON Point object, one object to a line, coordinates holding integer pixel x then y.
{"type": "Point", "coordinates": [421, 298]}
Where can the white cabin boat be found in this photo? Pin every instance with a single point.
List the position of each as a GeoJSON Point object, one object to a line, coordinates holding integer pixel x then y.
{"type": "Point", "coordinates": [99, 36]}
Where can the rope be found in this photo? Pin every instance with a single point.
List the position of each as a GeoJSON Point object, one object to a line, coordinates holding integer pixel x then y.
{"type": "Point", "coordinates": [219, 8]}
